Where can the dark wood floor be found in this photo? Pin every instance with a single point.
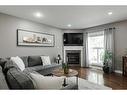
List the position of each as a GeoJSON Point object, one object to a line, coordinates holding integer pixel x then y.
{"type": "Point", "coordinates": [114, 80]}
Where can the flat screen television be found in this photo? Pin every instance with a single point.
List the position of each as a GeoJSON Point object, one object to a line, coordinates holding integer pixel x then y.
{"type": "Point", "coordinates": [73, 39]}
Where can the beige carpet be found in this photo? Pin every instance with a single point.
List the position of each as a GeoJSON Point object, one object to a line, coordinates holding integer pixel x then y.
{"type": "Point", "coordinates": [86, 85]}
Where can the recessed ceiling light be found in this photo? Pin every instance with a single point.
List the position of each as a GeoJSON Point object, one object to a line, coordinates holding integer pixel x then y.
{"type": "Point", "coordinates": [38, 14]}
{"type": "Point", "coordinates": [69, 25]}
{"type": "Point", "coordinates": [109, 13]}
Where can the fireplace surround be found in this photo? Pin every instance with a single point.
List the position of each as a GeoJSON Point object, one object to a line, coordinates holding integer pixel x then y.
{"type": "Point", "coordinates": [74, 54]}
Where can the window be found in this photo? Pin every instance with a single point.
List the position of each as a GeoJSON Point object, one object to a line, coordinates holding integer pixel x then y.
{"type": "Point", "coordinates": [96, 48]}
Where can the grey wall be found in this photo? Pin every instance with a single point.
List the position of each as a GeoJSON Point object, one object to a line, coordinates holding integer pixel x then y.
{"type": "Point", "coordinates": [9, 25]}
{"type": "Point", "coordinates": [120, 40]}
{"type": "Point", "coordinates": [8, 47]}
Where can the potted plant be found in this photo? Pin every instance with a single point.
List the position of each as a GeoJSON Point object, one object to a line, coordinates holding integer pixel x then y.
{"type": "Point", "coordinates": [107, 64]}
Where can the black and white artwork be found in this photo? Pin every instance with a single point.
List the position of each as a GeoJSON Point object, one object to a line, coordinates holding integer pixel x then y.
{"type": "Point", "coordinates": [30, 38]}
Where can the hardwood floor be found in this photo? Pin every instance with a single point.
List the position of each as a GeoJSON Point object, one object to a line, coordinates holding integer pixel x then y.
{"type": "Point", "coordinates": [113, 80]}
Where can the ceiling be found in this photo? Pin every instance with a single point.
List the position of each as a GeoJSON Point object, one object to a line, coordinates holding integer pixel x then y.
{"type": "Point", "coordinates": [60, 16]}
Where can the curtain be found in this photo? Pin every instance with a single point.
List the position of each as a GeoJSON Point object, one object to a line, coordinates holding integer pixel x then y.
{"type": "Point", "coordinates": [86, 57]}
{"type": "Point", "coordinates": [94, 43]}
{"type": "Point", "coordinates": [109, 43]}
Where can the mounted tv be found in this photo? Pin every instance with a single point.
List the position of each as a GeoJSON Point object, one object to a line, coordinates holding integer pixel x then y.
{"type": "Point", "coordinates": [73, 39]}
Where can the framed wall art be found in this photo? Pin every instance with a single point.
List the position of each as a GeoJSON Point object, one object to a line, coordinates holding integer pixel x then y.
{"type": "Point", "coordinates": [31, 38]}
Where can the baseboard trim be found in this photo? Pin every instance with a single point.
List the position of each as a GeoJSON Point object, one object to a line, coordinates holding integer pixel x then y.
{"type": "Point", "coordinates": [118, 71]}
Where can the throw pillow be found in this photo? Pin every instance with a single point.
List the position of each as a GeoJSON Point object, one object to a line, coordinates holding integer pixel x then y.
{"type": "Point", "coordinates": [17, 60]}
{"type": "Point", "coordinates": [45, 60]}
{"type": "Point", "coordinates": [34, 61]}
{"type": "Point", "coordinates": [47, 82]}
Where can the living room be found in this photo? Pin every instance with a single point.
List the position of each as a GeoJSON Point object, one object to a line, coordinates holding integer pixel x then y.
{"type": "Point", "coordinates": [63, 47]}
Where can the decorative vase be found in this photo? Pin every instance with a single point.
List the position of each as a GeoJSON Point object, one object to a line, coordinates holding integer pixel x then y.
{"type": "Point", "coordinates": [106, 69]}
{"type": "Point", "coordinates": [66, 69]}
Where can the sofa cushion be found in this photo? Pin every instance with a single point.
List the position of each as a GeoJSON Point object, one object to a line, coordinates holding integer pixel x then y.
{"type": "Point", "coordinates": [40, 67]}
{"type": "Point", "coordinates": [3, 61]}
{"type": "Point", "coordinates": [34, 61]}
{"type": "Point", "coordinates": [35, 68]}
{"type": "Point", "coordinates": [25, 60]}
{"type": "Point", "coordinates": [9, 64]}
{"type": "Point", "coordinates": [18, 79]}
{"type": "Point", "coordinates": [3, 83]}
{"type": "Point", "coordinates": [53, 65]}
{"type": "Point", "coordinates": [44, 70]}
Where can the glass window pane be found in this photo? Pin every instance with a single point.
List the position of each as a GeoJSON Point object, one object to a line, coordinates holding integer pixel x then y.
{"type": "Point", "coordinates": [96, 47]}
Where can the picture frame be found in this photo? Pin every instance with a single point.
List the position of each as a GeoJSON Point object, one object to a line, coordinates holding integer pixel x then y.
{"type": "Point", "coordinates": [31, 38]}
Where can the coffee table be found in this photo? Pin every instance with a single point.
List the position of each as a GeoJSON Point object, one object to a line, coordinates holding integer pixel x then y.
{"type": "Point", "coordinates": [71, 73]}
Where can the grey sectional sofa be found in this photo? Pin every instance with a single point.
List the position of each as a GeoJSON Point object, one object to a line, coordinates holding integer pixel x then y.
{"type": "Point", "coordinates": [34, 63]}
{"type": "Point", "coordinates": [11, 77]}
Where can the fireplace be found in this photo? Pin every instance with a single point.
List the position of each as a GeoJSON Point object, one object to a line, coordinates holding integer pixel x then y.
{"type": "Point", "coordinates": [74, 54]}
{"type": "Point", "coordinates": [73, 57]}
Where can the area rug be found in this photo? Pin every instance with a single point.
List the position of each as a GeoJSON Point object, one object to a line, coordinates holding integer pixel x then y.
{"type": "Point", "coordinates": [86, 85]}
